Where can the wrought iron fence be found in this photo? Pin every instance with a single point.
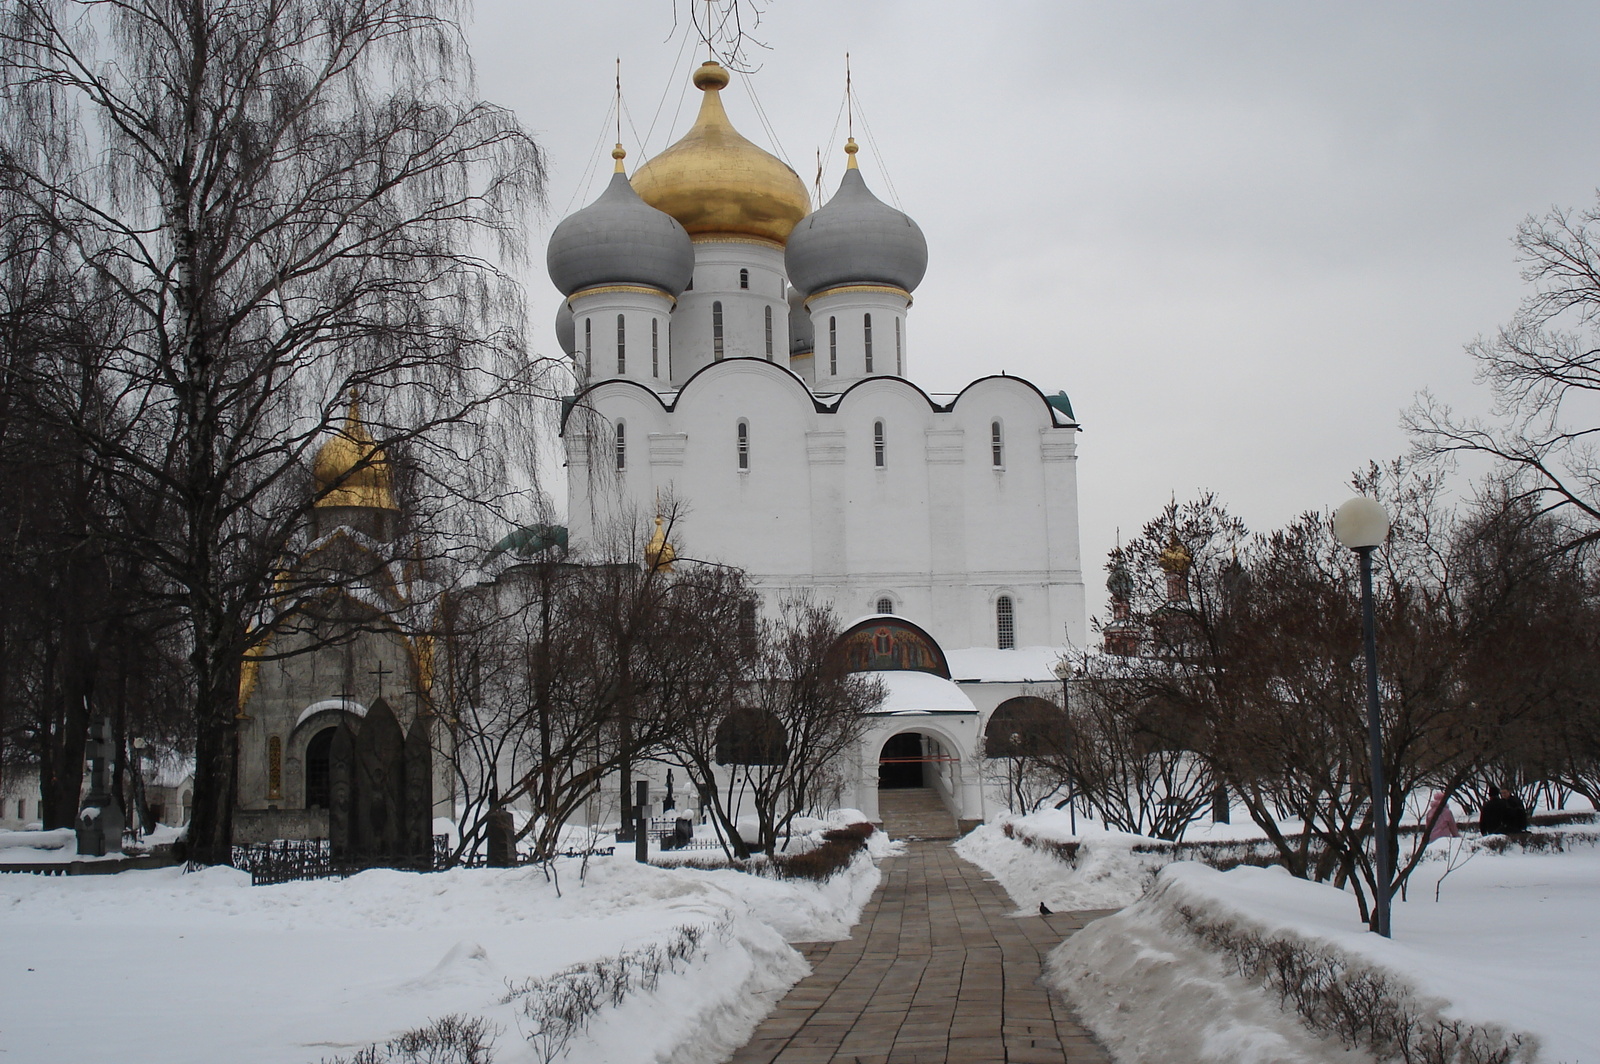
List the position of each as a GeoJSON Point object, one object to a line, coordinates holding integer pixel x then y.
{"type": "Point", "coordinates": [288, 860]}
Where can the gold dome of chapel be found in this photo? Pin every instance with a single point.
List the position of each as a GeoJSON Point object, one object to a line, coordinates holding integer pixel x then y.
{"type": "Point", "coordinates": [336, 463]}
{"type": "Point", "coordinates": [715, 182]}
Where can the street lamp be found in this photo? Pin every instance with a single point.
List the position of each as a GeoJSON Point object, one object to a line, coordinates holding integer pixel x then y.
{"type": "Point", "coordinates": [1362, 525]}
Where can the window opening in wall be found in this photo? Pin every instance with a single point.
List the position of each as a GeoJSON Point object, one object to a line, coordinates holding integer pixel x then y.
{"type": "Point", "coordinates": [744, 278]}
{"type": "Point", "coordinates": [622, 446]}
{"type": "Point", "coordinates": [997, 445]}
{"type": "Point", "coordinates": [744, 445]}
{"type": "Point", "coordinates": [747, 623]}
{"type": "Point", "coordinates": [899, 356]}
{"type": "Point", "coordinates": [716, 331]}
{"type": "Point", "coordinates": [866, 337]}
{"type": "Point", "coordinates": [769, 333]}
{"type": "Point", "coordinates": [877, 444]}
{"type": "Point", "coordinates": [622, 345]}
{"type": "Point", "coordinates": [588, 346]}
{"type": "Point", "coordinates": [1005, 623]}
{"type": "Point", "coordinates": [833, 346]}
{"type": "Point", "coordinates": [655, 347]}
{"type": "Point", "coordinates": [886, 605]}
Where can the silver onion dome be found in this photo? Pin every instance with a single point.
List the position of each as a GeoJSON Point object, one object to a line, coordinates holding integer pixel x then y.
{"type": "Point", "coordinates": [620, 239]}
{"type": "Point", "coordinates": [855, 238]}
{"type": "Point", "coordinates": [566, 329]}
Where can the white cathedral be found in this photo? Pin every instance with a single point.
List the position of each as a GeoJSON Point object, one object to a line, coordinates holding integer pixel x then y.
{"type": "Point", "coordinates": [751, 359]}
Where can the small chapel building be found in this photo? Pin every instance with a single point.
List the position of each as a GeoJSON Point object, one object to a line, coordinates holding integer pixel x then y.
{"type": "Point", "coordinates": [751, 360]}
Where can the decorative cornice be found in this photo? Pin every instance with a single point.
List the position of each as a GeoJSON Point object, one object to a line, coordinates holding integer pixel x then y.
{"type": "Point", "coordinates": [734, 238]}
{"type": "Point", "coordinates": [846, 289]}
{"type": "Point", "coordinates": [631, 289]}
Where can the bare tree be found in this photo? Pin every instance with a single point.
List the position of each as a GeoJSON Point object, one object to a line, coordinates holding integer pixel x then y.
{"type": "Point", "coordinates": [290, 200]}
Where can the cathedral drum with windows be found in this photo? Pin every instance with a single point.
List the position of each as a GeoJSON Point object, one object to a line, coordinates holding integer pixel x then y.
{"type": "Point", "coordinates": [749, 358]}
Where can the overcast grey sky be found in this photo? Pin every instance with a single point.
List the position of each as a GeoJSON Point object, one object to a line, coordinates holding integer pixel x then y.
{"type": "Point", "coordinates": [1241, 236]}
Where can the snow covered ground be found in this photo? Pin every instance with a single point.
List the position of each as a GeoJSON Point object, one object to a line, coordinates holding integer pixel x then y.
{"type": "Point", "coordinates": [159, 966]}
{"type": "Point", "coordinates": [1512, 943]}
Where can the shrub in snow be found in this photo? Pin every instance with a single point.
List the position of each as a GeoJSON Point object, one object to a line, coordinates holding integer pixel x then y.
{"type": "Point", "coordinates": [451, 1039]}
{"type": "Point", "coordinates": [560, 1007]}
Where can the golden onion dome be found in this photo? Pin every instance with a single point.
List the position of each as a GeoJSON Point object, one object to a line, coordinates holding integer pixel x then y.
{"type": "Point", "coordinates": [659, 553]}
{"type": "Point", "coordinates": [1176, 558]}
{"type": "Point", "coordinates": [339, 482]}
{"type": "Point", "coordinates": [715, 182]}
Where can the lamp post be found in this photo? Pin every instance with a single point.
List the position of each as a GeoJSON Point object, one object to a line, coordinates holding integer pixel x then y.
{"type": "Point", "coordinates": [1362, 525]}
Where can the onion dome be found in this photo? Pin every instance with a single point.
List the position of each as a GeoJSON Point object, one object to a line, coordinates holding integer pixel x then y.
{"type": "Point", "coordinates": [1176, 558]}
{"type": "Point", "coordinates": [715, 181]}
{"type": "Point", "coordinates": [802, 330]}
{"type": "Point", "coordinates": [659, 553]}
{"type": "Point", "coordinates": [339, 480]}
{"type": "Point", "coordinates": [856, 238]}
{"type": "Point", "coordinates": [567, 329]}
{"type": "Point", "coordinates": [1120, 582]}
{"type": "Point", "coordinates": [620, 239]}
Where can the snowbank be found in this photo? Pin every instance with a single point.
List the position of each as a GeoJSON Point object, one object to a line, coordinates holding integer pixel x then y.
{"type": "Point", "coordinates": [1505, 957]}
{"type": "Point", "coordinates": [297, 973]}
{"type": "Point", "coordinates": [1105, 872]}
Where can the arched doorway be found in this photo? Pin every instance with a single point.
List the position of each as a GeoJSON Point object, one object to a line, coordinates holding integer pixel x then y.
{"type": "Point", "coordinates": [918, 778]}
{"type": "Point", "coordinates": [901, 763]}
{"type": "Point", "coordinates": [319, 791]}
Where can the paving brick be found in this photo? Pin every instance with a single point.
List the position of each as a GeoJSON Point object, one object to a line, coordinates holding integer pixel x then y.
{"type": "Point", "coordinates": [940, 969]}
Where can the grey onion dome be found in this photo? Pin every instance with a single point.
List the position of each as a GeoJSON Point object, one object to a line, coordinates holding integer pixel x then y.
{"type": "Point", "coordinates": [620, 239]}
{"type": "Point", "coordinates": [567, 329]}
{"type": "Point", "coordinates": [855, 238]}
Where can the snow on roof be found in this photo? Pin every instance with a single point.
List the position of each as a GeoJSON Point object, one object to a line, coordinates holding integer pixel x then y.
{"type": "Point", "coordinates": [920, 692]}
{"type": "Point", "coordinates": [345, 704]}
{"type": "Point", "coordinates": [1022, 665]}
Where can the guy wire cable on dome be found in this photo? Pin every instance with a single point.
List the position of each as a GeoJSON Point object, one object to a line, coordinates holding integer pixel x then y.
{"type": "Point", "coordinates": [674, 78]}
{"type": "Point", "coordinates": [877, 155]}
{"type": "Point", "coordinates": [594, 155]}
{"type": "Point", "coordinates": [761, 113]}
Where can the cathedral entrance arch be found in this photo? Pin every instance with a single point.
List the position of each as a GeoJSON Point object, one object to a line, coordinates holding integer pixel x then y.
{"type": "Point", "coordinates": [318, 788]}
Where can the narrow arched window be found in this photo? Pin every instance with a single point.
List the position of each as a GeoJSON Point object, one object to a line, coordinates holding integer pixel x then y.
{"type": "Point", "coordinates": [622, 345]}
{"type": "Point", "coordinates": [886, 604]}
{"type": "Point", "coordinates": [622, 446]}
{"type": "Point", "coordinates": [743, 437]}
{"type": "Point", "coordinates": [1005, 623]}
{"type": "Point", "coordinates": [744, 278]}
{"type": "Point", "coordinates": [877, 444]}
{"type": "Point", "coordinates": [997, 445]}
{"type": "Point", "coordinates": [716, 331]}
{"type": "Point", "coordinates": [866, 338]}
{"type": "Point", "coordinates": [588, 346]}
{"type": "Point", "coordinates": [655, 347]}
{"type": "Point", "coordinates": [899, 353]}
{"type": "Point", "coordinates": [769, 332]}
{"type": "Point", "coordinates": [833, 346]}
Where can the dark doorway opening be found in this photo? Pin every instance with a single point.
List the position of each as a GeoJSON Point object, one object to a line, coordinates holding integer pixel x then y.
{"type": "Point", "coordinates": [901, 764]}
{"type": "Point", "coordinates": [319, 792]}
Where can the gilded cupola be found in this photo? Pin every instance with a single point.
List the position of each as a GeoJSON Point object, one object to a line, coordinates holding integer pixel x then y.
{"type": "Point", "coordinates": [717, 183]}
{"type": "Point", "coordinates": [339, 480]}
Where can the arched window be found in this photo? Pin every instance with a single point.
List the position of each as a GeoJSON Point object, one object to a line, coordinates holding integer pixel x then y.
{"type": "Point", "coordinates": [1005, 623]}
{"type": "Point", "coordinates": [899, 354]}
{"type": "Point", "coordinates": [833, 346]}
{"type": "Point", "coordinates": [319, 791]}
{"type": "Point", "coordinates": [744, 278]}
{"type": "Point", "coordinates": [769, 332]}
{"type": "Point", "coordinates": [622, 345]}
{"type": "Point", "coordinates": [877, 444]}
{"type": "Point", "coordinates": [743, 435]}
{"type": "Point", "coordinates": [622, 446]}
{"type": "Point", "coordinates": [866, 338]}
{"type": "Point", "coordinates": [997, 445]}
{"type": "Point", "coordinates": [747, 623]}
{"type": "Point", "coordinates": [588, 346]}
{"type": "Point", "coordinates": [716, 331]}
{"type": "Point", "coordinates": [886, 604]}
{"type": "Point", "coordinates": [655, 347]}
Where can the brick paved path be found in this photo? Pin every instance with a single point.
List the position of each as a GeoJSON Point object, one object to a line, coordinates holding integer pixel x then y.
{"type": "Point", "coordinates": [937, 970]}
